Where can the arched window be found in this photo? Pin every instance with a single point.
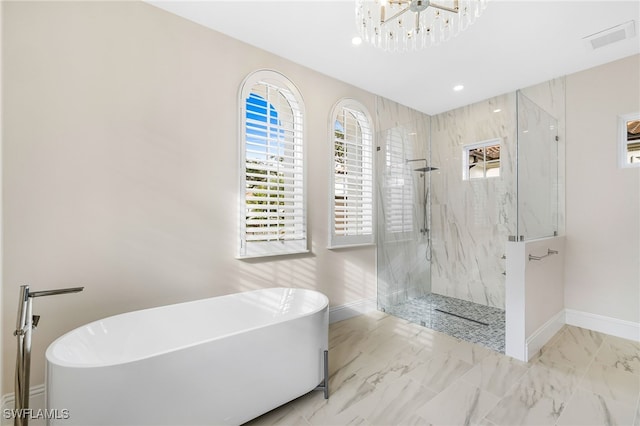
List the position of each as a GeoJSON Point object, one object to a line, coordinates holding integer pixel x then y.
{"type": "Point", "coordinates": [352, 175]}
{"type": "Point", "coordinates": [272, 206]}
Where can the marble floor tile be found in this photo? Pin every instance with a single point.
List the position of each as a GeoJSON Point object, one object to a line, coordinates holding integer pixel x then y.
{"type": "Point", "coordinates": [459, 404]}
{"type": "Point", "coordinates": [557, 336]}
{"type": "Point", "coordinates": [382, 371]}
{"type": "Point", "coordinates": [413, 420]}
{"type": "Point", "coordinates": [576, 347]}
{"type": "Point", "coordinates": [589, 339]}
{"type": "Point", "coordinates": [525, 406]}
{"type": "Point", "coordinates": [557, 380]}
{"type": "Point", "coordinates": [439, 371]}
{"type": "Point", "coordinates": [378, 341]}
{"type": "Point", "coordinates": [621, 354]}
{"type": "Point", "coordinates": [430, 342]}
{"type": "Point", "coordinates": [360, 327]}
{"type": "Point", "coordinates": [484, 422]}
{"type": "Point", "coordinates": [612, 383]}
{"type": "Point", "coordinates": [388, 371]}
{"type": "Point", "coordinates": [551, 343]}
{"type": "Point", "coordinates": [587, 408]}
{"type": "Point", "coordinates": [349, 364]}
{"type": "Point", "coordinates": [341, 407]}
{"type": "Point", "coordinates": [470, 352]}
{"type": "Point", "coordinates": [496, 373]}
{"type": "Point", "coordinates": [396, 404]}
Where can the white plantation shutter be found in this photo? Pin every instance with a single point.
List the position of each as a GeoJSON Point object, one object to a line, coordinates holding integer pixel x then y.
{"type": "Point", "coordinates": [272, 210]}
{"type": "Point", "coordinates": [398, 184]}
{"type": "Point", "coordinates": [352, 175]}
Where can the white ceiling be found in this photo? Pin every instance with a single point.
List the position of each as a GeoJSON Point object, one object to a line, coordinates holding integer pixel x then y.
{"type": "Point", "coordinates": [514, 44]}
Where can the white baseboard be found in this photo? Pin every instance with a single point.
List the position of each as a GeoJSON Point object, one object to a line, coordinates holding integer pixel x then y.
{"type": "Point", "coordinates": [351, 309]}
{"type": "Point", "coordinates": [607, 325]}
{"type": "Point", "coordinates": [36, 402]}
{"type": "Point", "coordinates": [543, 334]}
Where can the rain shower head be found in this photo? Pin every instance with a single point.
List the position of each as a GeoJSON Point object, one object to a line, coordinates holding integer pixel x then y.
{"type": "Point", "coordinates": [421, 169]}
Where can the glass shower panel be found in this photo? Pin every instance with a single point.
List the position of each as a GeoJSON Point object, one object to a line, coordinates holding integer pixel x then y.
{"type": "Point", "coordinates": [537, 171]}
{"type": "Point", "coordinates": [403, 273]}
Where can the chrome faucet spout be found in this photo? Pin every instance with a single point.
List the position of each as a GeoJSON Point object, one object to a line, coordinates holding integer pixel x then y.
{"type": "Point", "coordinates": [55, 292]}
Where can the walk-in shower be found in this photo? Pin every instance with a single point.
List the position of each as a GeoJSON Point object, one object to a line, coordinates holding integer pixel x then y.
{"type": "Point", "coordinates": [442, 231]}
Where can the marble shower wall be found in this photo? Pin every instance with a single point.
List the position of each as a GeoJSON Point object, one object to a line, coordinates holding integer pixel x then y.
{"type": "Point", "coordinates": [472, 219]}
{"type": "Point", "coordinates": [402, 249]}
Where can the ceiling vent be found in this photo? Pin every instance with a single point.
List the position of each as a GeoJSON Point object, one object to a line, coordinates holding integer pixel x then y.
{"type": "Point", "coordinates": [611, 35]}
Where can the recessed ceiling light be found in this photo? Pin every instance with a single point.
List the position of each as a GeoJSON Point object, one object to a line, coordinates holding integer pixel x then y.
{"type": "Point", "coordinates": [356, 41]}
{"type": "Point", "coordinates": [458, 88]}
{"type": "Point", "coordinates": [497, 110]}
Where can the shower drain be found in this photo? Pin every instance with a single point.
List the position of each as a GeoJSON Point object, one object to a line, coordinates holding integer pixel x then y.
{"type": "Point", "coordinates": [460, 316]}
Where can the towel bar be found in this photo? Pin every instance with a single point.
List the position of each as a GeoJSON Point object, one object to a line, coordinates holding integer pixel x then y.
{"type": "Point", "coordinates": [549, 253]}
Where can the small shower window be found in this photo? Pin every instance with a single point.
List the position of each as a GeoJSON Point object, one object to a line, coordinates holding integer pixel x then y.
{"type": "Point", "coordinates": [629, 125]}
{"type": "Point", "coordinates": [481, 160]}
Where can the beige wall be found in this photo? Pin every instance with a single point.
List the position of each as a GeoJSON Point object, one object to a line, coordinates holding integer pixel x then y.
{"type": "Point", "coordinates": [120, 167]}
{"type": "Point", "coordinates": [602, 271]}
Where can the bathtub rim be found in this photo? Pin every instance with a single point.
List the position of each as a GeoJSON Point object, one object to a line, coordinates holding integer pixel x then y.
{"type": "Point", "coordinates": [56, 361]}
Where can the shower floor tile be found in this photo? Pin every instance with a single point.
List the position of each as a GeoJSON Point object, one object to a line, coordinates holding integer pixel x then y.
{"type": "Point", "coordinates": [481, 324]}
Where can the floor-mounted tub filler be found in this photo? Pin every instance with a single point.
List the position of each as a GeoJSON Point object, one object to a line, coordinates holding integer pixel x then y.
{"type": "Point", "coordinates": [218, 361]}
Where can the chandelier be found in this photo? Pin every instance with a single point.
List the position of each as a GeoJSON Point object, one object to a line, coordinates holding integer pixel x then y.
{"type": "Point", "coordinates": [400, 25]}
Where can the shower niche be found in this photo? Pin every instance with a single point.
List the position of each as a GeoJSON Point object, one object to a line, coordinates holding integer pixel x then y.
{"type": "Point", "coordinates": [452, 190]}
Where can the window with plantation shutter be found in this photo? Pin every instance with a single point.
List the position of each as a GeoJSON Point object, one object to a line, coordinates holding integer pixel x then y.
{"type": "Point", "coordinates": [398, 191]}
{"type": "Point", "coordinates": [352, 175]}
{"type": "Point", "coordinates": [272, 206]}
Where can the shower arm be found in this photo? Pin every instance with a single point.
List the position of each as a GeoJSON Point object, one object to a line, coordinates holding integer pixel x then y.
{"type": "Point", "coordinates": [407, 161]}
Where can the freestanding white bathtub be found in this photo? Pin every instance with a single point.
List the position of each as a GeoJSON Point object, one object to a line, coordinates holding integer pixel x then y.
{"type": "Point", "coordinates": [217, 361]}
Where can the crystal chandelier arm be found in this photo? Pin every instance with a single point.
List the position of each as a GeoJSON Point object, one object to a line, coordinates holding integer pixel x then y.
{"type": "Point", "coordinates": [403, 11]}
{"type": "Point", "coordinates": [454, 9]}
